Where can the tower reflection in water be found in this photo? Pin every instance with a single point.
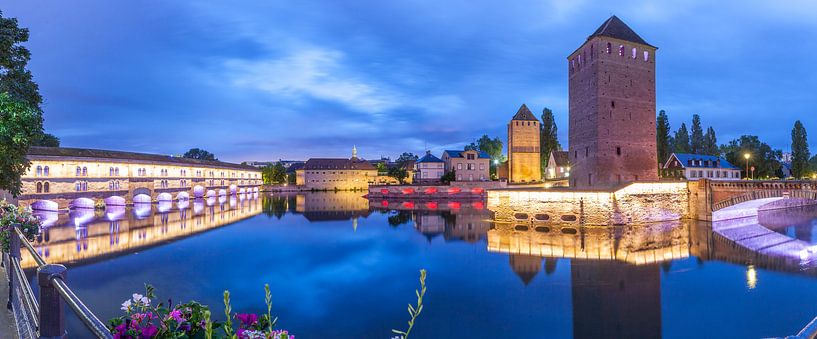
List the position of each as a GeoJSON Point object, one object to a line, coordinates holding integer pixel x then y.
{"type": "Point", "coordinates": [85, 234]}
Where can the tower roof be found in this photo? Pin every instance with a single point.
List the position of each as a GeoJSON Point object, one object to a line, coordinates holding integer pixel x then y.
{"type": "Point", "coordinates": [524, 114]}
{"type": "Point", "coordinates": [617, 29]}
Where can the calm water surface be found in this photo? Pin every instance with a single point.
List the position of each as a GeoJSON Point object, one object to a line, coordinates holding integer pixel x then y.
{"type": "Point", "coordinates": [339, 266]}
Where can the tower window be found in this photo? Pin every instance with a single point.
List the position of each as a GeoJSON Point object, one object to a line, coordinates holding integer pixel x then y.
{"type": "Point", "coordinates": [646, 56]}
{"type": "Point", "coordinates": [591, 52]}
{"type": "Point", "coordinates": [609, 48]}
{"type": "Point", "coordinates": [634, 52]}
{"type": "Point", "coordinates": [613, 104]}
{"type": "Point", "coordinates": [618, 151]}
{"type": "Point", "coordinates": [586, 152]}
{"type": "Point", "coordinates": [575, 154]}
{"type": "Point", "coordinates": [621, 50]}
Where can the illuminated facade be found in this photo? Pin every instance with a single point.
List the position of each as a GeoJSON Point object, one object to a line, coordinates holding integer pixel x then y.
{"type": "Point", "coordinates": [611, 90]}
{"type": "Point", "coordinates": [336, 174]}
{"type": "Point", "coordinates": [558, 166]}
{"type": "Point", "coordinates": [524, 164]}
{"type": "Point", "coordinates": [70, 177]}
{"type": "Point", "coordinates": [468, 165]}
{"type": "Point", "coordinates": [698, 166]}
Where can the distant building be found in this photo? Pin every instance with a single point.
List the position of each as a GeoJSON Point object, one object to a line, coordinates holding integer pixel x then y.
{"type": "Point", "coordinates": [558, 166]}
{"type": "Point", "coordinates": [697, 166]}
{"type": "Point", "coordinates": [611, 89]}
{"type": "Point", "coordinates": [428, 169]}
{"type": "Point", "coordinates": [336, 173]}
{"type": "Point", "coordinates": [468, 165]}
{"type": "Point", "coordinates": [383, 178]}
{"type": "Point", "coordinates": [286, 163]}
{"type": "Point", "coordinates": [524, 164]}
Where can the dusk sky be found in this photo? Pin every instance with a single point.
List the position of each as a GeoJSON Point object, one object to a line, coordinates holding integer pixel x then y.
{"type": "Point", "coordinates": [269, 80]}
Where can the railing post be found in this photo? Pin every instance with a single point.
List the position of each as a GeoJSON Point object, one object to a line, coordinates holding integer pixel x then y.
{"type": "Point", "coordinates": [14, 252]}
{"type": "Point", "coordinates": [52, 317]}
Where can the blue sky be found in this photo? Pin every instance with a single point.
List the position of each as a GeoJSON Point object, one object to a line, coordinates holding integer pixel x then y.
{"type": "Point", "coordinates": [263, 80]}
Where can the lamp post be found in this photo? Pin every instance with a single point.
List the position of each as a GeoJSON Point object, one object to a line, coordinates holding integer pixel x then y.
{"type": "Point", "coordinates": [747, 156]}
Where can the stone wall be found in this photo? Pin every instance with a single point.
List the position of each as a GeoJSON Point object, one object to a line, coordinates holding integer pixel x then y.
{"type": "Point", "coordinates": [637, 203]}
{"type": "Point", "coordinates": [524, 164]}
{"type": "Point", "coordinates": [456, 190]}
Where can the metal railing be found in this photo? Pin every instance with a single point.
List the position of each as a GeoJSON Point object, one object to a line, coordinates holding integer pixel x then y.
{"type": "Point", "coordinates": [43, 317]}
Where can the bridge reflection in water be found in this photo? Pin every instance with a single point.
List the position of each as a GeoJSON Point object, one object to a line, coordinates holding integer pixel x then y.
{"type": "Point", "coordinates": [84, 234]}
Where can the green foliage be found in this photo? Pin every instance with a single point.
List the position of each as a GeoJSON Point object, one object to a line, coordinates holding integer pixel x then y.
{"type": "Point", "coordinates": [46, 140]}
{"type": "Point", "coordinates": [448, 177]}
{"type": "Point", "coordinates": [399, 218]}
{"type": "Point", "coordinates": [492, 147]}
{"type": "Point", "coordinates": [548, 138]}
{"type": "Point", "coordinates": [813, 165]}
{"type": "Point", "coordinates": [276, 205]}
{"type": "Point", "coordinates": [20, 125]}
{"type": "Point", "coordinates": [292, 178]}
{"type": "Point", "coordinates": [11, 215]}
{"type": "Point", "coordinates": [398, 172]}
{"type": "Point", "coordinates": [413, 311]}
{"type": "Point", "coordinates": [711, 143]}
{"type": "Point", "coordinates": [696, 138]}
{"type": "Point", "coordinates": [799, 151]}
{"type": "Point", "coordinates": [15, 78]}
{"type": "Point", "coordinates": [228, 313]}
{"type": "Point", "coordinates": [406, 157]}
{"type": "Point", "coordinates": [682, 140]}
{"type": "Point", "coordinates": [274, 174]}
{"type": "Point", "coordinates": [200, 154]}
{"type": "Point", "coordinates": [662, 137]}
{"type": "Point", "coordinates": [763, 157]}
{"type": "Point", "coordinates": [381, 168]}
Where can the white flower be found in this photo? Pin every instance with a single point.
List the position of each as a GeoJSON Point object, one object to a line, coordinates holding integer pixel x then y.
{"type": "Point", "coordinates": [137, 297]}
{"type": "Point", "coordinates": [126, 305]}
{"type": "Point", "coordinates": [145, 301]}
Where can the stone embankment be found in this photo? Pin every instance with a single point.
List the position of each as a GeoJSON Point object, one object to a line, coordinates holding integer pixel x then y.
{"type": "Point", "coordinates": [455, 191]}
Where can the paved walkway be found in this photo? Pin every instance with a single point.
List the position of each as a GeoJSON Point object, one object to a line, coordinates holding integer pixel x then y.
{"type": "Point", "coordinates": [7, 327]}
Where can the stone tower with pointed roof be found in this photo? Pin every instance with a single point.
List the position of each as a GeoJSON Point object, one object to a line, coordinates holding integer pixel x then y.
{"type": "Point", "coordinates": [523, 147]}
{"type": "Point", "coordinates": [611, 87]}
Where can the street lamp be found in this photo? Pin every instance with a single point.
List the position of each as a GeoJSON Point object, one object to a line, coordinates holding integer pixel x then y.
{"type": "Point", "coordinates": [747, 156]}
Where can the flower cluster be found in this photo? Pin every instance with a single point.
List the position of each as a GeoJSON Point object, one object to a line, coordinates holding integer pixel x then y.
{"type": "Point", "coordinates": [10, 216]}
{"type": "Point", "coordinates": [144, 319]}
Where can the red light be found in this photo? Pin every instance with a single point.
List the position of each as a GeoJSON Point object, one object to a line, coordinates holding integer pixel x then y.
{"type": "Point", "coordinates": [408, 190]}
{"type": "Point", "coordinates": [477, 190]}
{"type": "Point", "coordinates": [478, 205]}
{"type": "Point", "coordinates": [408, 204]}
{"type": "Point", "coordinates": [455, 205]}
{"type": "Point", "coordinates": [453, 190]}
{"type": "Point", "coordinates": [431, 190]}
{"type": "Point", "coordinates": [431, 205]}
{"type": "Point", "coordinates": [384, 191]}
{"type": "Point", "coordinates": [385, 203]}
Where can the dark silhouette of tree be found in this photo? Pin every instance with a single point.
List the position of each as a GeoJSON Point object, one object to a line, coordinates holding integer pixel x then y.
{"type": "Point", "coordinates": [799, 151]}
{"type": "Point", "coordinates": [696, 137]}
{"type": "Point", "coordinates": [682, 139]}
{"type": "Point", "coordinates": [763, 157]}
{"type": "Point", "coordinates": [662, 138]}
{"type": "Point", "coordinates": [711, 143]}
{"type": "Point", "coordinates": [196, 153]}
{"type": "Point", "coordinates": [20, 125]}
{"type": "Point", "coordinates": [47, 140]}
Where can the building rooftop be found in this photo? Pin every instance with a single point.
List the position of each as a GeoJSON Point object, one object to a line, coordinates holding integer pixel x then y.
{"type": "Point", "coordinates": [338, 163]}
{"type": "Point", "coordinates": [524, 114]}
{"type": "Point", "coordinates": [617, 29]}
{"type": "Point", "coordinates": [458, 154]}
{"type": "Point", "coordinates": [119, 155]}
{"type": "Point", "coordinates": [707, 161]}
{"type": "Point", "coordinates": [561, 158]}
{"type": "Point", "coordinates": [429, 158]}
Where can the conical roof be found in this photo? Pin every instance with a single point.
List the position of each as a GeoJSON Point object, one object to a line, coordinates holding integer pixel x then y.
{"type": "Point", "coordinates": [617, 29]}
{"type": "Point", "coordinates": [524, 114]}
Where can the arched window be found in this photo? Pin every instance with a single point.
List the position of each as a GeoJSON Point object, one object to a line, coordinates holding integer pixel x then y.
{"type": "Point", "coordinates": [79, 186]}
{"type": "Point", "coordinates": [46, 187]}
{"type": "Point", "coordinates": [39, 171]}
{"type": "Point", "coordinates": [116, 171]}
{"type": "Point", "coordinates": [634, 52]}
{"type": "Point", "coordinates": [609, 48]}
{"type": "Point", "coordinates": [646, 56]}
{"type": "Point", "coordinates": [85, 171]}
{"type": "Point", "coordinates": [110, 185]}
{"type": "Point", "coordinates": [79, 171]}
{"type": "Point", "coordinates": [110, 171]}
{"type": "Point", "coordinates": [84, 186]}
{"type": "Point", "coordinates": [620, 50]}
{"type": "Point", "coordinates": [45, 171]}
{"type": "Point", "coordinates": [39, 187]}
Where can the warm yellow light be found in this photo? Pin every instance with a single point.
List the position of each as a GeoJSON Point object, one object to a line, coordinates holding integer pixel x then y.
{"type": "Point", "coordinates": [747, 156]}
{"type": "Point", "coordinates": [751, 277]}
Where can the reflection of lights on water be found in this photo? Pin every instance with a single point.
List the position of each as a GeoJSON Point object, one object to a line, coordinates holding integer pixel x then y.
{"type": "Point", "coordinates": [222, 199]}
{"type": "Point", "coordinates": [354, 224]}
{"type": "Point", "coordinates": [141, 210]}
{"type": "Point", "coordinates": [211, 201]}
{"type": "Point", "coordinates": [165, 206]}
{"type": "Point", "coordinates": [47, 218]}
{"type": "Point", "coordinates": [183, 204]}
{"type": "Point", "coordinates": [232, 202]}
{"type": "Point", "coordinates": [751, 277]}
{"type": "Point", "coordinates": [82, 216]}
{"type": "Point", "coordinates": [114, 213]}
{"type": "Point", "coordinates": [808, 252]}
{"type": "Point", "coordinates": [198, 206]}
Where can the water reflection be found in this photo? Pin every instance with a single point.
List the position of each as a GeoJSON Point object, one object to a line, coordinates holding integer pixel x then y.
{"type": "Point", "coordinates": [83, 234]}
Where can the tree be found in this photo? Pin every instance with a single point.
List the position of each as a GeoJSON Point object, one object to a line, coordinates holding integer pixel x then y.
{"type": "Point", "coordinates": [493, 147]}
{"type": "Point", "coordinates": [813, 165]}
{"type": "Point", "coordinates": [405, 157]}
{"type": "Point", "coordinates": [696, 138]}
{"type": "Point", "coordinates": [682, 139]}
{"type": "Point", "coordinates": [662, 137]}
{"type": "Point", "coordinates": [196, 153]}
{"type": "Point", "coordinates": [799, 151]}
{"type": "Point", "coordinates": [398, 172]}
{"type": "Point", "coordinates": [762, 157]}
{"type": "Point", "coordinates": [15, 79]}
{"type": "Point", "coordinates": [274, 174]}
{"type": "Point", "coordinates": [381, 168]}
{"type": "Point", "coordinates": [20, 125]}
{"type": "Point", "coordinates": [711, 142]}
{"type": "Point", "coordinates": [548, 138]}
{"type": "Point", "coordinates": [448, 177]}
{"type": "Point", "coordinates": [47, 140]}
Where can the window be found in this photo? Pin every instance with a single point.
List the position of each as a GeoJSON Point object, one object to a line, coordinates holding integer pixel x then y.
{"type": "Point", "coordinates": [39, 187]}
{"type": "Point", "coordinates": [78, 186]}
{"type": "Point", "coordinates": [481, 167]}
{"type": "Point", "coordinates": [85, 171]}
{"type": "Point", "coordinates": [459, 166]}
{"type": "Point", "coordinates": [646, 56]}
{"type": "Point", "coordinates": [39, 171]}
{"type": "Point", "coordinates": [591, 52]}
{"type": "Point", "coordinates": [470, 166]}
{"type": "Point", "coordinates": [116, 171]}
{"type": "Point", "coordinates": [45, 171]}
{"type": "Point", "coordinates": [613, 104]}
{"type": "Point", "coordinates": [618, 152]}
{"type": "Point", "coordinates": [586, 152]}
{"type": "Point", "coordinates": [609, 48]}
{"type": "Point", "coordinates": [621, 50]}
{"type": "Point", "coordinates": [46, 186]}
{"type": "Point", "coordinates": [79, 171]}
{"type": "Point", "coordinates": [634, 52]}
{"type": "Point", "coordinates": [575, 154]}
{"type": "Point", "coordinates": [471, 156]}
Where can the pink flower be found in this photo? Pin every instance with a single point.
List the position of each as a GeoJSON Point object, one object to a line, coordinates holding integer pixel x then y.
{"type": "Point", "coordinates": [177, 316]}
{"type": "Point", "coordinates": [149, 332]}
{"type": "Point", "coordinates": [248, 319]}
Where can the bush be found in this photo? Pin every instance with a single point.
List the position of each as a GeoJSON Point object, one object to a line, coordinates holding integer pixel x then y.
{"type": "Point", "coordinates": [11, 215]}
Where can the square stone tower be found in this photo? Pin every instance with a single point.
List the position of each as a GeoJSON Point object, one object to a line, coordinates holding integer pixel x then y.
{"type": "Point", "coordinates": [612, 108]}
{"type": "Point", "coordinates": [523, 147]}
